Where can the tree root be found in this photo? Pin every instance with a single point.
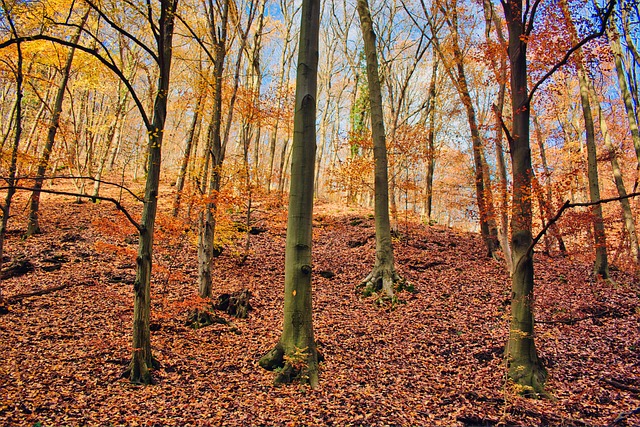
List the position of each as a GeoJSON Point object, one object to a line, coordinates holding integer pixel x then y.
{"type": "Point", "coordinates": [383, 284]}
{"type": "Point", "coordinates": [528, 381]}
{"type": "Point", "coordinates": [299, 366]}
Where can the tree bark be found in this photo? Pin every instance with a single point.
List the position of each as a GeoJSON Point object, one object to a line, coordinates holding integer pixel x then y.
{"type": "Point", "coordinates": [383, 276]}
{"type": "Point", "coordinates": [141, 358]}
{"type": "Point", "coordinates": [627, 213]}
{"type": "Point", "coordinates": [601, 264]}
{"type": "Point", "coordinates": [524, 367]}
{"type": "Point", "coordinates": [296, 353]}
{"type": "Point", "coordinates": [192, 135]}
{"type": "Point", "coordinates": [431, 137]}
{"type": "Point", "coordinates": [13, 166]}
{"type": "Point", "coordinates": [33, 225]}
{"type": "Point", "coordinates": [632, 119]}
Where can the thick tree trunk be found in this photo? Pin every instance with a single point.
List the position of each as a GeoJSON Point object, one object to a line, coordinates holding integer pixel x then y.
{"type": "Point", "coordinates": [296, 353]}
{"type": "Point", "coordinates": [524, 366]}
{"type": "Point", "coordinates": [383, 276]}
{"type": "Point", "coordinates": [141, 358]}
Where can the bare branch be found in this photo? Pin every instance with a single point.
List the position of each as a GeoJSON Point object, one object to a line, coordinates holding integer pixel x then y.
{"type": "Point", "coordinates": [123, 31]}
{"type": "Point", "coordinates": [86, 196]}
{"type": "Point", "coordinates": [90, 178]}
{"type": "Point", "coordinates": [565, 58]}
{"type": "Point", "coordinates": [568, 205]}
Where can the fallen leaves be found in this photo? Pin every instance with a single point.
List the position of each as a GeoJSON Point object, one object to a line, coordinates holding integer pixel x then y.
{"type": "Point", "coordinates": [435, 360]}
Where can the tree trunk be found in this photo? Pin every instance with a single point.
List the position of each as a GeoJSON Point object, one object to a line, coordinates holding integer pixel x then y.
{"type": "Point", "coordinates": [141, 358]}
{"type": "Point", "coordinates": [192, 135]}
{"type": "Point", "coordinates": [214, 146]}
{"type": "Point", "coordinates": [632, 119]}
{"type": "Point", "coordinates": [33, 225]}
{"type": "Point", "coordinates": [524, 367]}
{"type": "Point", "coordinates": [431, 143]}
{"type": "Point", "coordinates": [601, 265]}
{"type": "Point", "coordinates": [13, 166]}
{"type": "Point", "coordinates": [113, 135]}
{"type": "Point", "coordinates": [383, 276]}
{"type": "Point", "coordinates": [627, 213]}
{"type": "Point", "coordinates": [546, 202]}
{"type": "Point", "coordinates": [295, 353]}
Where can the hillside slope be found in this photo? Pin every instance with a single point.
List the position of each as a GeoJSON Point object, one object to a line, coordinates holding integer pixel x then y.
{"type": "Point", "coordinates": [434, 360]}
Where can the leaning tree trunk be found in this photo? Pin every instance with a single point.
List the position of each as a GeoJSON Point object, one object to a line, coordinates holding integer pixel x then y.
{"type": "Point", "coordinates": [33, 225]}
{"type": "Point", "coordinates": [601, 265]}
{"type": "Point", "coordinates": [383, 276]}
{"type": "Point", "coordinates": [11, 179]}
{"type": "Point", "coordinates": [632, 118]}
{"type": "Point", "coordinates": [524, 367]}
{"type": "Point", "coordinates": [295, 353]}
{"type": "Point", "coordinates": [627, 213]}
{"type": "Point", "coordinates": [141, 358]}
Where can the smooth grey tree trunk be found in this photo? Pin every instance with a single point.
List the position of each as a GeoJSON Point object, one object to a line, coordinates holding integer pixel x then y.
{"type": "Point", "coordinates": [295, 353]}
{"type": "Point", "coordinates": [383, 276]}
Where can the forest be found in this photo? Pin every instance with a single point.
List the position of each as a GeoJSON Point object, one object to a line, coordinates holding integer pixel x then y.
{"type": "Point", "coordinates": [295, 212]}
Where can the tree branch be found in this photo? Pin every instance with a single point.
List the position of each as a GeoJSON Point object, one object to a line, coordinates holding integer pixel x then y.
{"type": "Point", "coordinates": [565, 58]}
{"type": "Point", "coordinates": [90, 178]}
{"type": "Point", "coordinates": [568, 205]}
{"type": "Point", "coordinates": [114, 68]}
{"type": "Point", "coordinates": [86, 196]}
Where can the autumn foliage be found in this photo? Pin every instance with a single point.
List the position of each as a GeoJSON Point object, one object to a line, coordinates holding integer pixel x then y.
{"type": "Point", "coordinates": [437, 359]}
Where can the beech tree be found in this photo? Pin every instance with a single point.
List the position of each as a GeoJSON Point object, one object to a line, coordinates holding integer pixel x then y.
{"type": "Point", "coordinates": [383, 277]}
{"type": "Point", "coordinates": [295, 354]}
{"type": "Point", "coordinates": [524, 366]}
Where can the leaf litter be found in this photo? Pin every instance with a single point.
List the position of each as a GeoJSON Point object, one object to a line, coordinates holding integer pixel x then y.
{"type": "Point", "coordinates": [436, 359]}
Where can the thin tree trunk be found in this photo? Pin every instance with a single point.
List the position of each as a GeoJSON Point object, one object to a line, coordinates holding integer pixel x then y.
{"type": "Point", "coordinates": [383, 276]}
{"type": "Point", "coordinates": [632, 119]}
{"type": "Point", "coordinates": [113, 135]}
{"type": "Point", "coordinates": [431, 140]}
{"type": "Point", "coordinates": [484, 195]}
{"type": "Point", "coordinates": [33, 225]}
{"type": "Point", "coordinates": [141, 358]}
{"type": "Point", "coordinates": [601, 265]}
{"type": "Point", "coordinates": [627, 213]}
{"type": "Point", "coordinates": [546, 203]}
{"type": "Point", "coordinates": [192, 135]}
{"type": "Point", "coordinates": [13, 166]}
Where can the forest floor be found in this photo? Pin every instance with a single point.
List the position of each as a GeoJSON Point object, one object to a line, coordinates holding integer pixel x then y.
{"type": "Point", "coordinates": [436, 359]}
